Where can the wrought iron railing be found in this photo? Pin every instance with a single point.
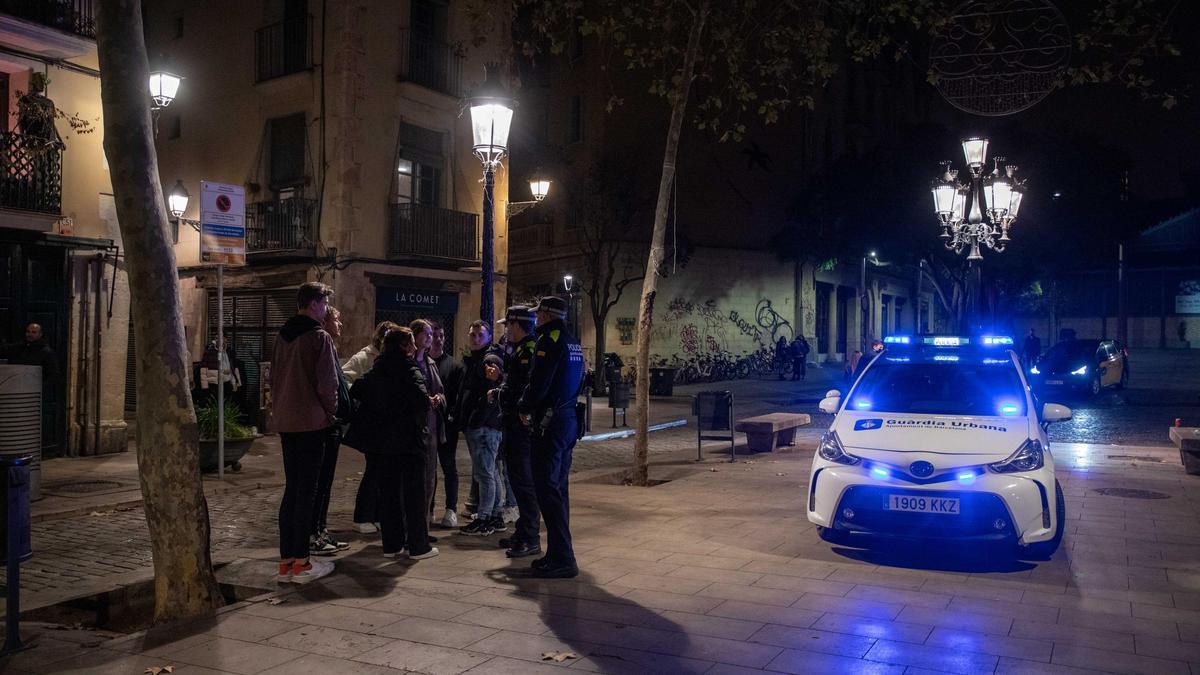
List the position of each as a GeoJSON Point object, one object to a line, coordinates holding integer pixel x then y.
{"type": "Point", "coordinates": [30, 173]}
{"type": "Point", "coordinates": [429, 63]}
{"type": "Point", "coordinates": [283, 48]}
{"type": "Point", "coordinates": [423, 231]}
{"type": "Point", "coordinates": [284, 225]}
{"type": "Point", "coordinates": [71, 16]}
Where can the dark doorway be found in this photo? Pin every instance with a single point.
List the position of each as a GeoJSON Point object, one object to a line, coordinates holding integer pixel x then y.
{"type": "Point", "coordinates": [405, 305]}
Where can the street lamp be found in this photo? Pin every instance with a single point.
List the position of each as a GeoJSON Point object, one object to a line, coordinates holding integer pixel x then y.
{"type": "Point", "coordinates": [177, 200]}
{"type": "Point", "coordinates": [491, 118]}
{"type": "Point", "coordinates": [568, 283]}
{"type": "Point", "coordinates": [982, 211]}
{"type": "Point", "coordinates": [539, 187]}
{"type": "Point", "coordinates": [163, 88]}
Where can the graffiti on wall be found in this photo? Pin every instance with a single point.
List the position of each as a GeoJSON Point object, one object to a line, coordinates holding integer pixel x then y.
{"type": "Point", "coordinates": [704, 333]}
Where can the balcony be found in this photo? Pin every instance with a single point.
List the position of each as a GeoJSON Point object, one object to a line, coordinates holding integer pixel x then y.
{"type": "Point", "coordinates": [282, 226]}
{"type": "Point", "coordinates": [420, 231]}
{"type": "Point", "coordinates": [70, 16]}
{"type": "Point", "coordinates": [283, 48]}
{"type": "Point", "coordinates": [30, 173]}
{"type": "Point", "coordinates": [530, 241]}
{"type": "Point", "coordinates": [431, 64]}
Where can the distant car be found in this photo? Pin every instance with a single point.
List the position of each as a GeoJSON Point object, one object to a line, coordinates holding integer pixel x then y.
{"type": "Point", "coordinates": [1082, 365]}
{"type": "Point", "coordinates": [939, 438]}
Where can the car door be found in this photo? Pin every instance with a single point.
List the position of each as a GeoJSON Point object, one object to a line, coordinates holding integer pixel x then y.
{"type": "Point", "coordinates": [1110, 371]}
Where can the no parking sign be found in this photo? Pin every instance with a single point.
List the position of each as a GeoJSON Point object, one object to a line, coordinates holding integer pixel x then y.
{"type": "Point", "coordinates": [222, 223]}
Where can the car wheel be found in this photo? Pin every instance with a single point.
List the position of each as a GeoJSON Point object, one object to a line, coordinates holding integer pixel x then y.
{"type": "Point", "coordinates": [1095, 385]}
{"type": "Point", "coordinates": [1043, 550]}
{"type": "Point", "coordinates": [832, 536]}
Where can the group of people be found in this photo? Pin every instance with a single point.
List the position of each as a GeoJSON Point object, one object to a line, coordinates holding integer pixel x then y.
{"type": "Point", "coordinates": [796, 354]}
{"type": "Point", "coordinates": [403, 400]}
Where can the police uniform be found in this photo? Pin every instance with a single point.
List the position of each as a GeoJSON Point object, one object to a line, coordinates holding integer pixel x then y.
{"type": "Point", "coordinates": [518, 439]}
{"type": "Point", "coordinates": [549, 401]}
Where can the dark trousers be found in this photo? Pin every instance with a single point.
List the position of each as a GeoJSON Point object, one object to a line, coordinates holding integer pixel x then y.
{"type": "Point", "coordinates": [325, 481]}
{"type": "Point", "coordinates": [366, 503]}
{"type": "Point", "coordinates": [518, 448]}
{"type": "Point", "coordinates": [551, 463]}
{"type": "Point", "coordinates": [446, 458]}
{"type": "Point", "coordinates": [402, 503]}
{"type": "Point", "coordinates": [302, 456]}
{"type": "Point", "coordinates": [799, 368]}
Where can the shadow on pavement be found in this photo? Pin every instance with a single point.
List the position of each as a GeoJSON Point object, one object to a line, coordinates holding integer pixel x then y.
{"type": "Point", "coordinates": [939, 558]}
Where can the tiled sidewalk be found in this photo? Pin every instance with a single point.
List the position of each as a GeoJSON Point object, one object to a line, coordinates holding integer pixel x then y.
{"type": "Point", "coordinates": [719, 572]}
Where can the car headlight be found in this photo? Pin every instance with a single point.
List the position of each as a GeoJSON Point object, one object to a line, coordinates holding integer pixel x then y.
{"type": "Point", "coordinates": [1081, 370]}
{"type": "Point", "coordinates": [1034, 371]}
{"type": "Point", "coordinates": [1028, 457]}
{"type": "Point", "coordinates": [831, 449]}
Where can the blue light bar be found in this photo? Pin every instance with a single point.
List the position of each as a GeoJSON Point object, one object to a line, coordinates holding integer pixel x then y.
{"type": "Point", "coordinates": [1009, 409]}
{"type": "Point", "coordinates": [947, 341]}
{"type": "Point", "coordinates": [897, 340]}
{"type": "Point", "coordinates": [944, 357]}
{"type": "Point", "coordinates": [996, 340]}
{"type": "Point", "coordinates": [862, 404]}
{"type": "Point", "coordinates": [879, 472]}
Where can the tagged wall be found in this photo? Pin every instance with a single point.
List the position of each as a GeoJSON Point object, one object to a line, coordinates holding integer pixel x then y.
{"type": "Point", "coordinates": [716, 319]}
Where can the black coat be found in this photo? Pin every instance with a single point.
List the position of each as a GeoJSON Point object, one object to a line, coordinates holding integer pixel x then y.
{"type": "Point", "coordinates": [34, 354]}
{"type": "Point", "coordinates": [474, 411]}
{"type": "Point", "coordinates": [393, 406]}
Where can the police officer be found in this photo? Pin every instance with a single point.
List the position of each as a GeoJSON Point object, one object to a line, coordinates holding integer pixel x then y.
{"type": "Point", "coordinates": [518, 325]}
{"type": "Point", "coordinates": [548, 407]}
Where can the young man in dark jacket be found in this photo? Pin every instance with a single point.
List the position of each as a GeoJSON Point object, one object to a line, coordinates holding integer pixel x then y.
{"type": "Point", "coordinates": [450, 370]}
{"type": "Point", "coordinates": [480, 421]}
{"type": "Point", "coordinates": [304, 388]}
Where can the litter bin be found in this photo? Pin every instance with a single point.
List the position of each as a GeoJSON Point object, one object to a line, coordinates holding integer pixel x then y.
{"type": "Point", "coordinates": [21, 419]}
{"type": "Point", "coordinates": [662, 381]}
{"type": "Point", "coordinates": [612, 366]}
{"type": "Point", "coordinates": [618, 395]}
{"type": "Point", "coordinates": [14, 504]}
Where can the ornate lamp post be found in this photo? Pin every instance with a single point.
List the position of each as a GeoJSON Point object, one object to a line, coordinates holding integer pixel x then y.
{"type": "Point", "coordinates": [982, 211]}
{"type": "Point", "coordinates": [491, 118]}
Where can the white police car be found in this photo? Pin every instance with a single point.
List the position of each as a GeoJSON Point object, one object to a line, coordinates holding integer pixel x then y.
{"type": "Point", "coordinates": [942, 437]}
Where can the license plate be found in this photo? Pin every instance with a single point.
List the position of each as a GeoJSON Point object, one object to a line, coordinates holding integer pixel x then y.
{"type": "Point", "coordinates": [946, 505]}
{"type": "Point", "coordinates": [1054, 381]}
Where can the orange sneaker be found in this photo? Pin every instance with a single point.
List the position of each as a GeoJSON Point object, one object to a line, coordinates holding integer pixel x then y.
{"type": "Point", "coordinates": [285, 572]}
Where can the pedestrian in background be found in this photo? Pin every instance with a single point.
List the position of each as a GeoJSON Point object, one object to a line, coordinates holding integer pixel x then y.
{"type": "Point", "coordinates": [548, 407]}
{"type": "Point", "coordinates": [800, 350]}
{"type": "Point", "coordinates": [422, 331]}
{"type": "Point", "coordinates": [366, 502]}
{"type": "Point", "coordinates": [782, 356]}
{"type": "Point", "coordinates": [480, 418]}
{"type": "Point", "coordinates": [304, 384]}
{"type": "Point", "coordinates": [518, 327]}
{"type": "Point", "coordinates": [320, 541]}
{"type": "Point", "coordinates": [391, 425]}
{"type": "Point", "coordinates": [450, 372]}
{"type": "Point", "coordinates": [851, 367]}
{"type": "Point", "coordinates": [1032, 349]}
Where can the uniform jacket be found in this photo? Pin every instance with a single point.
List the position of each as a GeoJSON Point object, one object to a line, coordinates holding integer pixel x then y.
{"type": "Point", "coordinates": [474, 411]}
{"type": "Point", "coordinates": [556, 372]}
{"type": "Point", "coordinates": [393, 404]}
{"type": "Point", "coordinates": [304, 380]}
{"type": "Point", "coordinates": [516, 378]}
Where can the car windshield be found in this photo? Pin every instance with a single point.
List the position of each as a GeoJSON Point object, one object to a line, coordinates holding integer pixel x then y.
{"type": "Point", "coordinates": [1071, 354]}
{"type": "Point", "coordinates": [983, 389]}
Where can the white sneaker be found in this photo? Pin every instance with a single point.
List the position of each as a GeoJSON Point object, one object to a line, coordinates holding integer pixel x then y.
{"type": "Point", "coordinates": [398, 554]}
{"type": "Point", "coordinates": [511, 514]}
{"type": "Point", "coordinates": [366, 528]}
{"type": "Point", "coordinates": [450, 519]}
{"type": "Point", "coordinates": [428, 554]}
{"type": "Point", "coordinates": [317, 569]}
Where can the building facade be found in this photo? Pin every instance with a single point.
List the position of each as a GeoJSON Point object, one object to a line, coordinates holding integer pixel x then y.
{"type": "Point", "coordinates": [60, 264]}
{"type": "Point", "coordinates": [344, 123]}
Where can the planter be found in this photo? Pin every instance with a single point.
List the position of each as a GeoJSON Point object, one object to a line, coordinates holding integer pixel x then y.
{"type": "Point", "coordinates": [235, 449]}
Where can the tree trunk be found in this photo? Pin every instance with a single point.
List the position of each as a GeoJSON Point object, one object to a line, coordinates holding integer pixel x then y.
{"type": "Point", "coordinates": [167, 436]}
{"type": "Point", "coordinates": [641, 447]}
{"type": "Point", "coordinates": [598, 319]}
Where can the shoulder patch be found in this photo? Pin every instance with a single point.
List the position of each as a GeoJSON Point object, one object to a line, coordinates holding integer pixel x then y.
{"type": "Point", "coordinates": [541, 353]}
{"type": "Point", "coordinates": [555, 334]}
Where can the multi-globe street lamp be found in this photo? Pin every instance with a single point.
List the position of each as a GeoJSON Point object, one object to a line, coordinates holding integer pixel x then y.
{"type": "Point", "coordinates": [979, 212]}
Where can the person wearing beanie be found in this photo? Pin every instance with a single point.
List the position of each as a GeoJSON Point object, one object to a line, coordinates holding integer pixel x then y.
{"type": "Point", "coordinates": [518, 327]}
{"type": "Point", "coordinates": [547, 407]}
{"type": "Point", "coordinates": [480, 419]}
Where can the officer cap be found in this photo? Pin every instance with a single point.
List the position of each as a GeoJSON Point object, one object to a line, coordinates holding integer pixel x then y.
{"type": "Point", "coordinates": [553, 305]}
{"type": "Point", "coordinates": [521, 314]}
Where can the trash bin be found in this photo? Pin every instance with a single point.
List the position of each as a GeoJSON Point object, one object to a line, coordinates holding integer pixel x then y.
{"type": "Point", "coordinates": [21, 419]}
{"type": "Point", "coordinates": [618, 395]}
{"type": "Point", "coordinates": [612, 366]}
{"type": "Point", "coordinates": [662, 381]}
{"type": "Point", "coordinates": [14, 503]}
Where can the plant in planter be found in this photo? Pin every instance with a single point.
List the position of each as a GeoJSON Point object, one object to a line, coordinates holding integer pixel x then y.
{"type": "Point", "coordinates": [238, 437]}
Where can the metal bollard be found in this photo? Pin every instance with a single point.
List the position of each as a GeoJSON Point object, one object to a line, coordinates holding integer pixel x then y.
{"type": "Point", "coordinates": [17, 544]}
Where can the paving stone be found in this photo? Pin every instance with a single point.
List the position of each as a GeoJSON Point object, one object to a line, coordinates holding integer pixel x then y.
{"type": "Point", "coordinates": [1099, 659]}
{"type": "Point", "coordinates": [873, 628]}
{"type": "Point", "coordinates": [784, 616]}
{"type": "Point", "coordinates": [403, 655]}
{"type": "Point", "coordinates": [235, 656]}
{"type": "Point", "coordinates": [933, 658]}
{"type": "Point", "coordinates": [828, 603]}
{"type": "Point", "coordinates": [814, 640]}
{"type": "Point", "coordinates": [315, 664]}
{"type": "Point", "coordinates": [1066, 634]}
{"type": "Point", "coordinates": [1031, 650]}
{"type": "Point", "coordinates": [801, 662]}
{"type": "Point", "coordinates": [983, 623]}
{"type": "Point", "coordinates": [762, 596]}
{"type": "Point", "coordinates": [328, 641]}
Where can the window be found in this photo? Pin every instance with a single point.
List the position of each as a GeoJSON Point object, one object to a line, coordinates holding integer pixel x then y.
{"type": "Point", "coordinates": [575, 120]}
{"type": "Point", "coordinates": [419, 166]}
{"type": "Point", "coordinates": [177, 31]}
{"type": "Point", "coordinates": [429, 19]}
{"type": "Point", "coordinates": [939, 388]}
{"type": "Point", "coordinates": [176, 127]}
{"type": "Point", "coordinates": [288, 142]}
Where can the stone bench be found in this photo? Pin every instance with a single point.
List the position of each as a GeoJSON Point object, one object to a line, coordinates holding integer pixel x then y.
{"type": "Point", "coordinates": [1187, 439]}
{"type": "Point", "coordinates": [764, 433]}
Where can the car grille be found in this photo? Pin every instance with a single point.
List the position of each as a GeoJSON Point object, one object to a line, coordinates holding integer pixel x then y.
{"type": "Point", "coordinates": [978, 514]}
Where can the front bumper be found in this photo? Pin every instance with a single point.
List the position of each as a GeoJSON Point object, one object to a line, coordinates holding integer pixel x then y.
{"type": "Point", "coordinates": [1022, 504]}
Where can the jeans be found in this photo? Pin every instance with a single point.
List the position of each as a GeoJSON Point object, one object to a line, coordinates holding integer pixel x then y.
{"type": "Point", "coordinates": [325, 482]}
{"type": "Point", "coordinates": [450, 467]}
{"type": "Point", "coordinates": [402, 518]}
{"type": "Point", "coordinates": [507, 499]}
{"type": "Point", "coordinates": [303, 453]}
{"type": "Point", "coordinates": [366, 503]}
{"type": "Point", "coordinates": [484, 443]}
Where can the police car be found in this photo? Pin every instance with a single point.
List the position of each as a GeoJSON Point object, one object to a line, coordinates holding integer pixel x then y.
{"type": "Point", "coordinates": [941, 437]}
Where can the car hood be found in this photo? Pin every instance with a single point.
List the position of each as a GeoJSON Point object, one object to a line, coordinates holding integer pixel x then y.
{"type": "Point", "coordinates": [943, 440]}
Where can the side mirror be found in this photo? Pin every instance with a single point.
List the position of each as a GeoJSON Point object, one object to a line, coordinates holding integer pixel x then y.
{"type": "Point", "coordinates": [833, 393]}
{"type": "Point", "coordinates": [830, 404]}
{"type": "Point", "coordinates": [1053, 412]}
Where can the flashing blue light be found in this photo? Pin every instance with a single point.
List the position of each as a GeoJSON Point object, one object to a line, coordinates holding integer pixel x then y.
{"type": "Point", "coordinates": [995, 362]}
{"type": "Point", "coordinates": [862, 404]}
{"type": "Point", "coordinates": [1009, 409]}
{"type": "Point", "coordinates": [966, 477]}
{"type": "Point", "coordinates": [897, 340]}
{"type": "Point", "coordinates": [899, 359]}
{"type": "Point", "coordinates": [879, 472]}
{"type": "Point", "coordinates": [945, 357]}
{"type": "Point", "coordinates": [1034, 371]}
{"type": "Point", "coordinates": [944, 341]}
{"type": "Point", "coordinates": [997, 340]}
{"type": "Point", "coordinates": [1082, 370]}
